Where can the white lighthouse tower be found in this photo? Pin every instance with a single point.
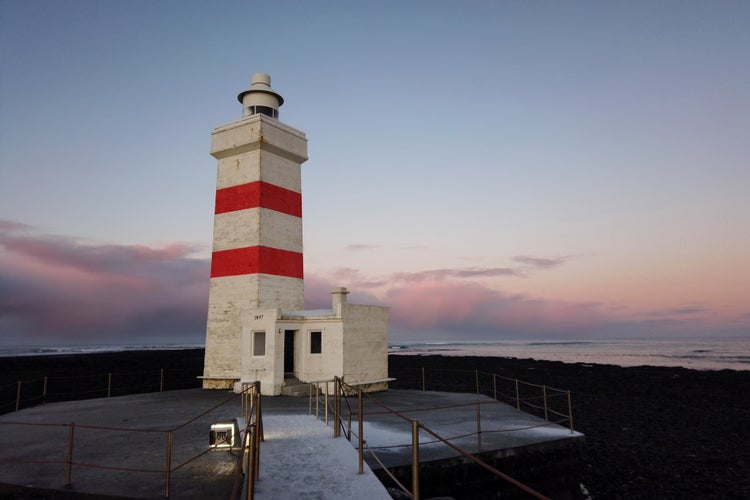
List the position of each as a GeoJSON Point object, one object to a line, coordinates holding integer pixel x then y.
{"type": "Point", "coordinates": [257, 246]}
{"type": "Point", "coordinates": [256, 327]}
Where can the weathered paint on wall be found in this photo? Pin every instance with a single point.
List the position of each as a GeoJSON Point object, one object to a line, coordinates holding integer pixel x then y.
{"type": "Point", "coordinates": [257, 259]}
{"type": "Point", "coordinates": [365, 343]}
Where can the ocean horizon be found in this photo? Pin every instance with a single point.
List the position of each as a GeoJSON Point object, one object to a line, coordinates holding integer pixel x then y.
{"type": "Point", "coordinates": [694, 353]}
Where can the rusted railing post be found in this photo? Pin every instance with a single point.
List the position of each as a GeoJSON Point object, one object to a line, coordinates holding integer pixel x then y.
{"type": "Point", "coordinates": [544, 396]}
{"type": "Point", "coordinates": [109, 384]}
{"type": "Point", "coordinates": [424, 385]}
{"type": "Point", "coordinates": [309, 398]}
{"type": "Point", "coordinates": [326, 405]}
{"type": "Point", "coordinates": [336, 407]}
{"type": "Point", "coordinates": [317, 400]}
{"type": "Point", "coordinates": [18, 396]}
{"type": "Point", "coordinates": [168, 479]}
{"type": "Point", "coordinates": [250, 471]}
{"type": "Point", "coordinates": [243, 401]}
{"type": "Point", "coordinates": [251, 402]}
{"type": "Point", "coordinates": [256, 451]}
{"type": "Point", "coordinates": [518, 397]}
{"type": "Point", "coordinates": [259, 414]}
{"type": "Point", "coordinates": [360, 417]}
{"type": "Point", "coordinates": [161, 380]}
{"type": "Point", "coordinates": [415, 459]}
{"type": "Point", "coordinates": [479, 426]}
{"type": "Point", "coordinates": [44, 391]}
{"type": "Point", "coordinates": [349, 426]}
{"type": "Point", "coordinates": [476, 378]}
{"type": "Point", "coordinates": [69, 473]}
{"type": "Point", "coordinates": [570, 412]}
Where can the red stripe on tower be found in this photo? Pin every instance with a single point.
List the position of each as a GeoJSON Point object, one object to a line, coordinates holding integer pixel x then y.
{"type": "Point", "coordinates": [258, 194]}
{"type": "Point", "coordinates": [256, 260]}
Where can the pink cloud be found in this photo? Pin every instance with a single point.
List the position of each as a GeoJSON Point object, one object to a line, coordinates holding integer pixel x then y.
{"type": "Point", "coordinates": [56, 288]}
{"type": "Point", "coordinates": [540, 262]}
{"type": "Point", "coordinates": [318, 291]}
{"type": "Point", "coordinates": [461, 307]}
{"type": "Point", "coordinates": [359, 247]}
{"type": "Point", "coordinates": [452, 273]}
{"type": "Point", "coordinates": [475, 309]}
{"type": "Point", "coordinates": [437, 304]}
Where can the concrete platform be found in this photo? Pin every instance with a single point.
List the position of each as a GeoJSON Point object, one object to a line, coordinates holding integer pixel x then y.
{"type": "Point", "coordinates": [504, 428]}
{"type": "Point", "coordinates": [299, 457]}
{"type": "Point", "coordinates": [211, 476]}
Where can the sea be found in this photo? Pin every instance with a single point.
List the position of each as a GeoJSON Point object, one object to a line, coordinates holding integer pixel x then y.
{"type": "Point", "coordinates": [694, 353]}
{"type": "Point", "coordinates": [51, 350]}
{"type": "Point", "coordinates": [697, 354]}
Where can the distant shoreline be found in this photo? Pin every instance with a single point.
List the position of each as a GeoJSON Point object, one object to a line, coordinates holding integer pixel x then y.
{"type": "Point", "coordinates": [7, 354]}
{"type": "Point", "coordinates": [24, 351]}
{"type": "Point", "coordinates": [693, 353]}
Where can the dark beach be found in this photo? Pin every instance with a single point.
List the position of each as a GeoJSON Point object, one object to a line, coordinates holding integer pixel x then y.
{"type": "Point", "coordinates": [85, 376]}
{"type": "Point", "coordinates": [651, 432]}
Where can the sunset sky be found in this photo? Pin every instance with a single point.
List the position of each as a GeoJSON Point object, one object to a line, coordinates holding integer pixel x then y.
{"type": "Point", "coordinates": [488, 169]}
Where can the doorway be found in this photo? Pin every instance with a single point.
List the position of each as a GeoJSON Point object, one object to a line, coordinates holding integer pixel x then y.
{"type": "Point", "coordinates": [289, 353]}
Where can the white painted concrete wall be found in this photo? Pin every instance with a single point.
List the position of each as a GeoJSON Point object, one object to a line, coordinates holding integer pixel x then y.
{"type": "Point", "coordinates": [239, 229]}
{"type": "Point", "coordinates": [250, 133]}
{"type": "Point", "coordinates": [365, 343]}
{"type": "Point", "coordinates": [268, 368]}
{"type": "Point", "coordinates": [229, 298]}
{"type": "Point", "coordinates": [248, 150]}
{"type": "Point", "coordinates": [329, 362]}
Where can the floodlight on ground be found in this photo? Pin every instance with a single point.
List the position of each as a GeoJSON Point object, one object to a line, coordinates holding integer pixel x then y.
{"type": "Point", "coordinates": [223, 435]}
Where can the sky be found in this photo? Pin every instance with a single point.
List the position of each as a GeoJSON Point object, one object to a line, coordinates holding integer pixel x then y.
{"type": "Point", "coordinates": [487, 169]}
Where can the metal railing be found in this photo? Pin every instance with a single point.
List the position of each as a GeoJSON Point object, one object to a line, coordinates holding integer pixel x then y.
{"type": "Point", "coordinates": [249, 456]}
{"type": "Point", "coordinates": [342, 418]}
{"type": "Point", "coordinates": [554, 405]}
{"type": "Point", "coordinates": [251, 437]}
{"type": "Point", "coordinates": [415, 446]}
{"type": "Point", "coordinates": [315, 394]}
{"type": "Point", "coordinates": [32, 392]}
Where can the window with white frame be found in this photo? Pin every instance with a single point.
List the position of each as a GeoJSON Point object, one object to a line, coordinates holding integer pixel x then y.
{"type": "Point", "coordinates": [259, 343]}
{"type": "Point", "coordinates": [316, 344]}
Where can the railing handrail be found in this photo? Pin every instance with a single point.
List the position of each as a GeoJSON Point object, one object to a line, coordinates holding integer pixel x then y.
{"type": "Point", "coordinates": [70, 461]}
{"type": "Point", "coordinates": [155, 379]}
{"type": "Point", "coordinates": [339, 391]}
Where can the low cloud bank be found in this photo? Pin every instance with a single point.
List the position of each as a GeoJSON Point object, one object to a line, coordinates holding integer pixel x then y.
{"type": "Point", "coordinates": [55, 289]}
{"type": "Point", "coordinates": [58, 290]}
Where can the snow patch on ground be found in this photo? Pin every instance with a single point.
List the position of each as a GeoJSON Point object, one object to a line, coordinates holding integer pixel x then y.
{"type": "Point", "coordinates": [301, 459]}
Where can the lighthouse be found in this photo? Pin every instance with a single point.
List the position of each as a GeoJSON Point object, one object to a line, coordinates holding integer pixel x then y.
{"type": "Point", "coordinates": [257, 329]}
{"type": "Point", "coordinates": [256, 260]}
